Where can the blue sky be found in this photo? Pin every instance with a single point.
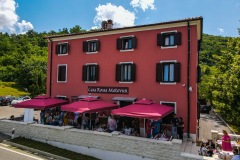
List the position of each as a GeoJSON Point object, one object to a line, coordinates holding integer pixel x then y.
{"type": "Point", "coordinates": [221, 17]}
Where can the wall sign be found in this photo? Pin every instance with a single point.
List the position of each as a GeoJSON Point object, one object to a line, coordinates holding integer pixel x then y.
{"type": "Point", "coordinates": [109, 90]}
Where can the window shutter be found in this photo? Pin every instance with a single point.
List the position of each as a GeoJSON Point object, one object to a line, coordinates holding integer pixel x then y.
{"type": "Point", "coordinates": [67, 45]}
{"type": "Point", "coordinates": [98, 45]}
{"type": "Point", "coordinates": [118, 72]}
{"type": "Point", "coordinates": [133, 72]}
{"type": "Point", "coordinates": [97, 73]}
{"type": "Point", "coordinates": [198, 74]}
{"type": "Point", "coordinates": [159, 68]}
{"type": "Point", "coordinates": [134, 39]}
{"type": "Point", "coordinates": [160, 40]}
{"type": "Point", "coordinates": [85, 46]}
{"type": "Point", "coordinates": [178, 38]}
{"type": "Point", "coordinates": [119, 44]}
{"type": "Point", "coordinates": [57, 48]}
{"type": "Point", "coordinates": [177, 73]}
{"type": "Point", "coordinates": [84, 73]}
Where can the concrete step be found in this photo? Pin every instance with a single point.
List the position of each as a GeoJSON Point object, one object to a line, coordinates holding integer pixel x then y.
{"type": "Point", "coordinates": [188, 146]}
{"type": "Point", "coordinates": [194, 149]}
{"type": "Point", "coordinates": [184, 143]}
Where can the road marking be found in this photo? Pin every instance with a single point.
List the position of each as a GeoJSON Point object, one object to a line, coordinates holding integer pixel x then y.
{"type": "Point", "coordinates": [22, 153]}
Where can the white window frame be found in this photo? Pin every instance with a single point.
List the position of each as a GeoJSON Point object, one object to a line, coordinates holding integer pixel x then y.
{"type": "Point", "coordinates": [167, 47]}
{"type": "Point", "coordinates": [67, 49]}
{"type": "Point", "coordinates": [175, 105]}
{"type": "Point", "coordinates": [87, 73]}
{"type": "Point", "coordinates": [121, 74]}
{"type": "Point", "coordinates": [58, 73]}
{"type": "Point", "coordinates": [126, 50]}
{"type": "Point", "coordinates": [90, 41]}
{"type": "Point", "coordinates": [168, 61]}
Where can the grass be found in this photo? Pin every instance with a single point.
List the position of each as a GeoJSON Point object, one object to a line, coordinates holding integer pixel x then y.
{"type": "Point", "coordinates": [51, 149]}
{"type": "Point", "coordinates": [10, 88]}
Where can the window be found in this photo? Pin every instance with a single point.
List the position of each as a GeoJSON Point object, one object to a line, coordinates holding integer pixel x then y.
{"type": "Point", "coordinates": [169, 39]}
{"type": "Point", "coordinates": [125, 72]}
{"type": "Point", "coordinates": [126, 43]}
{"type": "Point", "coordinates": [62, 73]}
{"type": "Point", "coordinates": [167, 119]}
{"type": "Point", "coordinates": [168, 72]}
{"type": "Point", "coordinates": [171, 104]}
{"type": "Point", "coordinates": [62, 48]}
{"type": "Point", "coordinates": [91, 46]}
{"type": "Point", "coordinates": [90, 72]}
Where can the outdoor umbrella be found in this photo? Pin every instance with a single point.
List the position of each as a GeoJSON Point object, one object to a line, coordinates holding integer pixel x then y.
{"type": "Point", "coordinates": [41, 102]}
{"type": "Point", "coordinates": [144, 109]}
{"type": "Point", "coordinates": [87, 105]}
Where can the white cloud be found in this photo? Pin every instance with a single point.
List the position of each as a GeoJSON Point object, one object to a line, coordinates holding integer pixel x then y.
{"type": "Point", "coordinates": [120, 16]}
{"type": "Point", "coordinates": [143, 4]}
{"type": "Point", "coordinates": [24, 26]}
{"type": "Point", "coordinates": [9, 18]}
{"type": "Point", "coordinates": [221, 31]}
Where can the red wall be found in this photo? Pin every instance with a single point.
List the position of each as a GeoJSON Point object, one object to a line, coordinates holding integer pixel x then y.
{"type": "Point", "coordinates": [145, 56]}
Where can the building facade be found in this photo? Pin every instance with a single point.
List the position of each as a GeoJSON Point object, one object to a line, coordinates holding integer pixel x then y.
{"type": "Point", "coordinates": [157, 62]}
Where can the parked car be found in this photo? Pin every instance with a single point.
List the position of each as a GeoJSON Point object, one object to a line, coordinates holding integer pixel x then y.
{"type": "Point", "coordinates": [6, 100]}
{"type": "Point", "coordinates": [21, 99]}
{"type": "Point", "coordinates": [205, 109]}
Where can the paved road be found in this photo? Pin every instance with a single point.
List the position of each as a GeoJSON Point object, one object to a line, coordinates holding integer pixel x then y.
{"type": "Point", "coordinates": [10, 154]}
{"type": "Point", "coordinates": [6, 112]}
{"type": "Point", "coordinates": [210, 122]}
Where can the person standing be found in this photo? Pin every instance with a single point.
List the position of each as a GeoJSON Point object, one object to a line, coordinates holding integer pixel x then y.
{"type": "Point", "coordinates": [112, 124]}
{"type": "Point", "coordinates": [148, 129]}
{"type": "Point", "coordinates": [226, 141]}
{"type": "Point", "coordinates": [174, 123]}
{"type": "Point", "coordinates": [180, 128]}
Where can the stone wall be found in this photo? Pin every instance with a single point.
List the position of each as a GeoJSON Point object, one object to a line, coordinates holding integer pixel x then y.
{"type": "Point", "coordinates": [97, 142]}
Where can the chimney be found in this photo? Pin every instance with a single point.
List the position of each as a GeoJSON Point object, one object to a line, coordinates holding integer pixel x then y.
{"type": "Point", "coordinates": [109, 24]}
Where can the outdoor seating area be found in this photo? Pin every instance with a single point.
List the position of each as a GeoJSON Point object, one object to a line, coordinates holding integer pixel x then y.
{"type": "Point", "coordinates": [222, 145]}
{"type": "Point", "coordinates": [142, 118]}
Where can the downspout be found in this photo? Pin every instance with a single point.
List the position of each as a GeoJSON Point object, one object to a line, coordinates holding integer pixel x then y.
{"type": "Point", "coordinates": [51, 55]}
{"type": "Point", "coordinates": [188, 82]}
{"type": "Point", "coordinates": [198, 104]}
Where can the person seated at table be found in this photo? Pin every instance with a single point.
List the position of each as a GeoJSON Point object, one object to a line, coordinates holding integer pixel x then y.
{"type": "Point", "coordinates": [65, 119]}
{"type": "Point", "coordinates": [112, 124]}
{"type": "Point", "coordinates": [226, 141]}
{"type": "Point", "coordinates": [49, 119]}
{"type": "Point", "coordinates": [210, 147]}
{"type": "Point", "coordinates": [85, 121]}
{"type": "Point", "coordinates": [203, 149]}
{"type": "Point", "coordinates": [236, 155]}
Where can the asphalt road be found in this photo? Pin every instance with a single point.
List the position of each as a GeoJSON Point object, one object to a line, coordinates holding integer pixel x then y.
{"type": "Point", "coordinates": [10, 154]}
{"type": "Point", "coordinates": [210, 122]}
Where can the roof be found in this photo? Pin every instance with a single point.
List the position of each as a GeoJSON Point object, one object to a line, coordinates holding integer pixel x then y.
{"type": "Point", "coordinates": [131, 27]}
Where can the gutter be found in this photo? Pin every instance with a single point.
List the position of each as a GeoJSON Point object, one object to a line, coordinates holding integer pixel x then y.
{"type": "Point", "coordinates": [188, 81]}
{"type": "Point", "coordinates": [51, 55]}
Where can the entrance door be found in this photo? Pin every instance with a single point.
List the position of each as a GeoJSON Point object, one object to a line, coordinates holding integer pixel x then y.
{"type": "Point", "coordinates": [125, 103]}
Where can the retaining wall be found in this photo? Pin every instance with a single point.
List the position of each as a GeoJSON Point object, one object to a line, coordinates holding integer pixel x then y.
{"type": "Point", "coordinates": [98, 144]}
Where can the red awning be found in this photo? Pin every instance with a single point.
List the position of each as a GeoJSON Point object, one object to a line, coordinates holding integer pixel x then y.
{"type": "Point", "coordinates": [144, 109]}
{"type": "Point", "coordinates": [88, 104]}
{"type": "Point", "coordinates": [41, 102]}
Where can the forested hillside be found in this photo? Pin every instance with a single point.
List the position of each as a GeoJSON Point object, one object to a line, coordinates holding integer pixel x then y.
{"type": "Point", "coordinates": [23, 60]}
{"type": "Point", "coordinates": [220, 64]}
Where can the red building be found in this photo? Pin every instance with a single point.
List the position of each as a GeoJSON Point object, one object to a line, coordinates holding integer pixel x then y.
{"type": "Point", "coordinates": [156, 61]}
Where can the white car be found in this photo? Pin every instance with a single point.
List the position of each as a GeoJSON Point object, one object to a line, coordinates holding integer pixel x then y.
{"type": "Point", "coordinates": [21, 99]}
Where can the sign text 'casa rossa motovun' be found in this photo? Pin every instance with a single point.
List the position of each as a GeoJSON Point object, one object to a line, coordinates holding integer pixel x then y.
{"type": "Point", "coordinates": [109, 90]}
